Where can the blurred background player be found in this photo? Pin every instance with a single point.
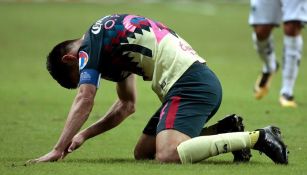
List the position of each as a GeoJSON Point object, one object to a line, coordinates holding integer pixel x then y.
{"type": "Point", "coordinates": [264, 16]}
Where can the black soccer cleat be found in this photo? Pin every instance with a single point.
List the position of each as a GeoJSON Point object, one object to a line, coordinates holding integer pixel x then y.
{"type": "Point", "coordinates": [234, 123]}
{"type": "Point", "coordinates": [231, 123]}
{"type": "Point", "coordinates": [271, 144]}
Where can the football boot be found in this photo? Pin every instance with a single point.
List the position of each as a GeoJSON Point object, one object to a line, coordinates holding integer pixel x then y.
{"type": "Point", "coordinates": [271, 144]}
{"type": "Point", "coordinates": [263, 83]}
{"type": "Point", "coordinates": [286, 100]}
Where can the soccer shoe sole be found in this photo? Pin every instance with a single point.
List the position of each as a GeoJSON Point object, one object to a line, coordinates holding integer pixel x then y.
{"type": "Point", "coordinates": [242, 155]}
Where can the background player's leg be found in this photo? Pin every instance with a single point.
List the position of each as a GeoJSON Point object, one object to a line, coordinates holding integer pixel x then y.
{"type": "Point", "coordinates": [263, 41]}
{"type": "Point", "coordinates": [264, 45]}
{"type": "Point", "coordinates": [264, 15]}
{"type": "Point", "coordinates": [293, 44]}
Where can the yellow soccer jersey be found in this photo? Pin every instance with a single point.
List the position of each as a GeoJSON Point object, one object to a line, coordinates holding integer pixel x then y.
{"type": "Point", "coordinates": [174, 57]}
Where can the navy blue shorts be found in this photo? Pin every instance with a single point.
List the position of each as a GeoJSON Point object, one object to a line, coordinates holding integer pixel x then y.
{"type": "Point", "coordinates": [189, 104]}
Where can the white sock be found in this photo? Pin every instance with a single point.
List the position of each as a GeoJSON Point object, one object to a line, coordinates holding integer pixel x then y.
{"type": "Point", "coordinates": [266, 52]}
{"type": "Point", "coordinates": [291, 60]}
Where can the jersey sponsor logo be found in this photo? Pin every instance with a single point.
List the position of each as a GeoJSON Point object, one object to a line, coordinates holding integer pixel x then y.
{"type": "Point", "coordinates": [97, 27]}
{"type": "Point", "coordinates": [83, 59]}
{"type": "Point", "coordinates": [109, 24]}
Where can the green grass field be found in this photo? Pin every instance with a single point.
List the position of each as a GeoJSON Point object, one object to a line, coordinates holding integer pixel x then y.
{"type": "Point", "coordinates": [34, 108]}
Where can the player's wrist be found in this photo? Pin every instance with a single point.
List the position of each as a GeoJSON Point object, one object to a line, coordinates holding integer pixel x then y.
{"type": "Point", "coordinates": [84, 135]}
{"type": "Point", "coordinates": [59, 147]}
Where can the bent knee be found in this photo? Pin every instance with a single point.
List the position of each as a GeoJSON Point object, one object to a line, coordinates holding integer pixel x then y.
{"type": "Point", "coordinates": [263, 31]}
{"type": "Point", "coordinates": [166, 145]}
{"type": "Point", "coordinates": [292, 28]}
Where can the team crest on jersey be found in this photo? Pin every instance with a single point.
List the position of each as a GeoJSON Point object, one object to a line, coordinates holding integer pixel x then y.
{"type": "Point", "coordinates": [83, 59]}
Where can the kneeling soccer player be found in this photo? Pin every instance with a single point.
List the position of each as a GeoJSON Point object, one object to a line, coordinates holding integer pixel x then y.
{"type": "Point", "coordinates": [118, 46]}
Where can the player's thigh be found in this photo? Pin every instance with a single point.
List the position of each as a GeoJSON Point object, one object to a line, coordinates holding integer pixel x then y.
{"type": "Point", "coordinates": [191, 102]}
{"type": "Point", "coordinates": [181, 118]}
{"type": "Point", "coordinates": [265, 12]}
{"type": "Point", "coordinates": [294, 10]}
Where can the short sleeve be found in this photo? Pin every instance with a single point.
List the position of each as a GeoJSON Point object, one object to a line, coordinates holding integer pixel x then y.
{"type": "Point", "coordinates": [89, 59]}
{"type": "Point", "coordinates": [89, 76]}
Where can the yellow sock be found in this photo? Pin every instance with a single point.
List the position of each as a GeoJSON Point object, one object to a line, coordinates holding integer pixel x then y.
{"type": "Point", "coordinates": [203, 147]}
{"type": "Point", "coordinates": [254, 136]}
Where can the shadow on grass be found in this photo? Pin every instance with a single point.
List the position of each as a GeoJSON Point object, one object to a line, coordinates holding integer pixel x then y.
{"type": "Point", "coordinates": [19, 162]}
{"type": "Point", "coordinates": [104, 160]}
{"type": "Point", "coordinates": [133, 161]}
{"type": "Point", "coordinates": [230, 162]}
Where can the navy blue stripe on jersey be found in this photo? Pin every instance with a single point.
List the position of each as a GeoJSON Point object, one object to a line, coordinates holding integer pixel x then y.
{"type": "Point", "coordinates": [136, 48]}
{"type": "Point", "coordinates": [89, 76]}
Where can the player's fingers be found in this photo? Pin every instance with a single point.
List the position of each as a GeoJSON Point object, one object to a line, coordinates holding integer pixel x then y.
{"type": "Point", "coordinates": [64, 154]}
{"type": "Point", "coordinates": [32, 161]}
{"type": "Point", "coordinates": [72, 147]}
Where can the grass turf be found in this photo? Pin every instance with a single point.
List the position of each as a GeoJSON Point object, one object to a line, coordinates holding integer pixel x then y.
{"type": "Point", "coordinates": [34, 107]}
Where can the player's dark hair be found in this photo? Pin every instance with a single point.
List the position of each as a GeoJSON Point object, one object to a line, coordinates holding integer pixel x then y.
{"type": "Point", "coordinates": [59, 70]}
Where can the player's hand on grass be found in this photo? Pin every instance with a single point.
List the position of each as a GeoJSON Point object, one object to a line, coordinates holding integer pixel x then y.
{"type": "Point", "coordinates": [52, 156]}
{"type": "Point", "coordinates": [76, 142]}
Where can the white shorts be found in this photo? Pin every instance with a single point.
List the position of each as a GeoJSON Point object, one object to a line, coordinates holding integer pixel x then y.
{"type": "Point", "coordinates": [276, 11]}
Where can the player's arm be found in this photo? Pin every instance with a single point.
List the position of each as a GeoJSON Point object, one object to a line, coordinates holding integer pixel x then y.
{"type": "Point", "coordinates": [77, 116]}
{"type": "Point", "coordinates": [119, 111]}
